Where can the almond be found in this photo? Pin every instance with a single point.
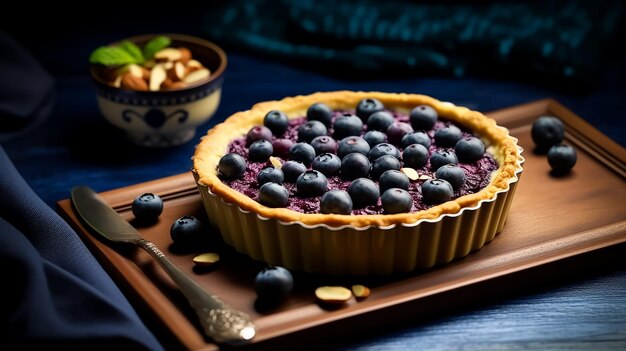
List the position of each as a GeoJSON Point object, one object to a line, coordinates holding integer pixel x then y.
{"type": "Point", "coordinates": [133, 69]}
{"type": "Point", "coordinates": [197, 76]}
{"type": "Point", "coordinates": [185, 55]}
{"type": "Point", "coordinates": [145, 73]}
{"type": "Point", "coordinates": [168, 54]}
{"type": "Point", "coordinates": [117, 82]}
{"type": "Point", "coordinates": [157, 77]}
{"type": "Point", "coordinates": [361, 292]}
{"type": "Point", "coordinates": [410, 172]}
{"type": "Point", "coordinates": [132, 82]}
{"type": "Point", "coordinates": [333, 294]}
{"type": "Point", "coordinates": [194, 65]}
{"type": "Point", "coordinates": [177, 72]}
{"type": "Point", "coordinates": [276, 162]}
{"type": "Point", "coordinates": [206, 259]}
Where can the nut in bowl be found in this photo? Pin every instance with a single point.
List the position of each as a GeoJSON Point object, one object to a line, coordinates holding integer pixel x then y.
{"type": "Point", "coordinates": [158, 88]}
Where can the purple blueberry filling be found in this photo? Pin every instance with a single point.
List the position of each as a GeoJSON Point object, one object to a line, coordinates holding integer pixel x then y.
{"type": "Point", "coordinates": [477, 173]}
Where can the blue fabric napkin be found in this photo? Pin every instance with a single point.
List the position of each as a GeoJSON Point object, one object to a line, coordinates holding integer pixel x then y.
{"type": "Point", "coordinates": [55, 295]}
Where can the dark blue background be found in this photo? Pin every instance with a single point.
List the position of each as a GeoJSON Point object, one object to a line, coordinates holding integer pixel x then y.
{"type": "Point", "coordinates": [75, 146]}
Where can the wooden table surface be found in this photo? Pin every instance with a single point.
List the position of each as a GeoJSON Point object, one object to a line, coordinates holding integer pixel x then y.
{"type": "Point", "coordinates": [580, 309]}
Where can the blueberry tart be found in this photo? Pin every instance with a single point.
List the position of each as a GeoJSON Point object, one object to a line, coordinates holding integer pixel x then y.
{"type": "Point", "coordinates": [371, 183]}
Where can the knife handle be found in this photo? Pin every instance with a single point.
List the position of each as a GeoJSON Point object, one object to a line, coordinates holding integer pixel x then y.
{"type": "Point", "coordinates": [220, 322]}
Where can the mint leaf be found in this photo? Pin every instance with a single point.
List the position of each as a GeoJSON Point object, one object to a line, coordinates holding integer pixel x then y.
{"type": "Point", "coordinates": [111, 56]}
{"type": "Point", "coordinates": [154, 45]}
{"type": "Point", "coordinates": [133, 50]}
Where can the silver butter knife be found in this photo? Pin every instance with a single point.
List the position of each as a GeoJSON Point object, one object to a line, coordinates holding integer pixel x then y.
{"type": "Point", "coordinates": [220, 322]}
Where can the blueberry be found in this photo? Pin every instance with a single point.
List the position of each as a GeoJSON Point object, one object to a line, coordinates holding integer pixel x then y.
{"type": "Point", "coordinates": [310, 130]}
{"type": "Point", "coordinates": [363, 192]}
{"type": "Point", "coordinates": [380, 120]}
{"type": "Point", "coordinates": [453, 174]}
{"type": "Point", "coordinates": [374, 137]}
{"type": "Point", "coordinates": [186, 230]}
{"type": "Point", "coordinates": [352, 144]}
{"type": "Point", "coordinates": [292, 170]}
{"type": "Point", "coordinates": [436, 191]}
{"type": "Point", "coordinates": [396, 200]}
{"type": "Point", "coordinates": [323, 144]}
{"type": "Point", "coordinates": [232, 166]}
{"type": "Point", "coordinates": [320, 112]}
{"type": "Point", "coordinates": [355, 165]}
{"type": "Point", "coordinates": [442, 157]}
{"type": "Point", "coordinates": [469, 149]}
{"type": "Point", "coordinates": [336, 201]}
{"type": "Point", "coordinates": [311, 183]}
{"type": "Point", "coordinates": [423, 117]}
{"type": "Point", "coordinates": [277, 122]}
{"type": "Point", "coordinates": [260, 150]}
{"type": "Point", "coordinates": [448, 136]}
{"type": "Point", "coordinates": [415, 156]}
{"type": "Point", "coordinates": [302, 152]}
{"type": "Point", "coordinates": [396, 131]}
{"type": "Point", "coordinates": [382, 164]}
{"type": "Point", "coordinates": [383, 149]}
{"type": "Point", "coordinates": [273, 284]}
{"type": "Point", "coordinates": [258, 132]}
{"type": "Point", "coordinates": [327, 163]}
{"type": "Point", "coordinates": [347, 125]}
{"type": "Point", "coordinates": [393, 179]}
{"type": "Point", "coordinates": [281, 147]}
{"type": "Point", "coordinates": [366, 107]}
{"type": "Point", "coordinates": [273, 195]}
{"type": "Point", "coordinates": [270, 174]}
{"type": "Point", "coordinates": [416, 138]}
{"type": "Point", "coordinates": [561, 158]}
{"type": "Point", "coordinates": [546, 132]}
{"type": "Point", "coordinates": [147, 207]}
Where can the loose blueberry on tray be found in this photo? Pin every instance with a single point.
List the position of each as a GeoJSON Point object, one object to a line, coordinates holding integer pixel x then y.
{"type": "Point", "coordinates": [562, 158]}
{"type": "Point", "coordinates": [186, 230]}
{"type": "Point", "coordinates": [147, 207]}
{"type": "Point", "coordinates": [273, 284]}
{"type": "Point", "coordinates": [546, 132]}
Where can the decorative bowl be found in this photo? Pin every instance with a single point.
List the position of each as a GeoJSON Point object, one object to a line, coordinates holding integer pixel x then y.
{"type": "Point", "coordinates": [164, 118]}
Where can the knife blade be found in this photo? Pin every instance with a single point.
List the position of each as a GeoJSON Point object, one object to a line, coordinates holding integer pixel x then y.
{"type": "Point", "coordinates": [220, 321]}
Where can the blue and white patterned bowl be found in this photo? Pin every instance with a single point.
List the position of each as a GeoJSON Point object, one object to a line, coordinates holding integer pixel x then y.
{"type": "Point", "coordinates": [165, 118]}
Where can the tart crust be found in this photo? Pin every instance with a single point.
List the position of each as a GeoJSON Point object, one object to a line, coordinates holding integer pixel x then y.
{"type": "Point", "coordinates": [214, 145]}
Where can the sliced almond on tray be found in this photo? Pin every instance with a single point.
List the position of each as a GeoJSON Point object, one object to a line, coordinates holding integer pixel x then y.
{"type": "Point", "coordinates": [206, 259]}
{"type": "Point", "coordinates": [333, 294]}
{"type": "Point", "coordinates": [360, 291]}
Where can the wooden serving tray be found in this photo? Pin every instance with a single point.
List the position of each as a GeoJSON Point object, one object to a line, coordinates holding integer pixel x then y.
{"type": "Point", "coordinates": [551, 220]}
